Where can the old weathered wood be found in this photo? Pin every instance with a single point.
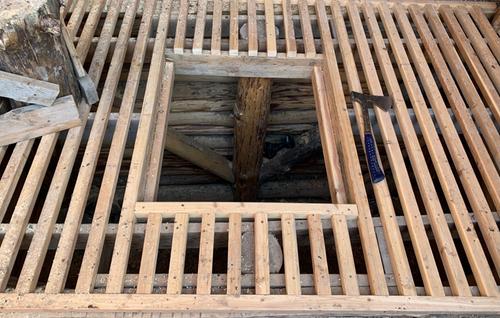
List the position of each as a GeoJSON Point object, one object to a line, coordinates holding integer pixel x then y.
{"type": "Point", "coordinates": [28, 90]}
{"type": "Point", "coordinates": [250, 113]}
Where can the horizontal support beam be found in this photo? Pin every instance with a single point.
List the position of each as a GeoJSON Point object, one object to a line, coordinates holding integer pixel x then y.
{"type": "Point", "coordinates": [245, 209]}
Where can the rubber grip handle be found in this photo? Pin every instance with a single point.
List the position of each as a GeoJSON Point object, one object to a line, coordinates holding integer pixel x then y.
{"type": "Point", "coordinates": [371, 153]}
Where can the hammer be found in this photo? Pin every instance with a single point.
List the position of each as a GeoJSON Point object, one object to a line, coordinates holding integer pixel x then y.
{"type": "Point", "coordinates": [384, 103]}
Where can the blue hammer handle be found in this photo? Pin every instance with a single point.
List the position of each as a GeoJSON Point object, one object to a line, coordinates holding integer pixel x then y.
{"type": "Point", "coordinates": [375, 172]}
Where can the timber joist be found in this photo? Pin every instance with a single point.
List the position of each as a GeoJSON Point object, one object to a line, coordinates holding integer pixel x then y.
{"type": "Point", "coordinates": [425, 240]}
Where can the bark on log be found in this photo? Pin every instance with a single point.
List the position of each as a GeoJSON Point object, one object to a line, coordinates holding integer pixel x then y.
{"type": "Point", "coordinates": [31, 43]}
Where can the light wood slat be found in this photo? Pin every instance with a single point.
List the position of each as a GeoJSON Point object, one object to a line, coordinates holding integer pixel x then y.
{"type": "Point", "coordinates": [318, 256]}
{"type": "Point", "coordinates": [307, 35]}
{"type": "Point", "coordinates": [487, 30]}
{"type": "Point", "coordinates": [253, 45]}
{"type": "Point", "coordinates": [140, 156]}
{"type": "Point", "coordinates": [345, 257]}
{"type": "Point", "coordinates": [473, 59]}
{"type": "Point", "coordinates": [290, 254]}
{"type": "Point", "coordinates": [467, 88]}
{"type": "Point", "coordinates": [484, 53]}
{"type": "Point", "coordinates": [261, 245]}
{"type": "Point", "coordinates": [149, 255]}
{"type": "Point", "coordinates": [63, 256]}
{"type": "Point", "coordinates": [180, 32]}
{"type": "Point", "coordinates": [34, 260]}
{"type": "Point", "coordinates": [12, 173]}
{"type": "Point", "coordinates": [3, 150]}
{"type": "Point", "coordinates": [22, 212]}
{"type": "Point", "coordinates": [177, 254]}
{"type": "Point", "coordinates": [89, 28]}
{"type": "Point", "coordinates": [216, 28]}
{"type": "Point", "coordinates": [474, 141]}
{"type": "Point", "coordinates": [244, 209]}
{"type": "Point", "coordinates": [291, 45]}
{"type": "Point", "coordinates": [28, 90]}
{"type": "Point", "coordinates": [438, 156]}
{"type": "Point", "coordinates": [233, 28]}
{"type": "Point", "coordinates": [77, 16]}
{"type": "Point", "coordinates": [352, 168]}
{"type": "Point", "coordinates": [95, 242]}
{"type": "Point", "coordinates": [272, 50]}
{"type": "Point", "coordinates": [205, 260]}
{"type": "Point", "coordinates": [234, 255]}
{"type": "Point", "coordinates": [199, 30]}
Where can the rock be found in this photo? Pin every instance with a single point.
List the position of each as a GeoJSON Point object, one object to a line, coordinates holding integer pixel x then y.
{"type": "Point", "coordinates": [248, 254]}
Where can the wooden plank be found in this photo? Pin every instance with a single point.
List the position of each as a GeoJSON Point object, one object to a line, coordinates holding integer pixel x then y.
{"type": "Point", "coordinates": [28, 90]}
{"type": "Point", "coordinates": [307, 34]}
{"type": "Point", "coordinates": [177, 254]}
{"type": "Point", "coordinates": [253, 45]}
{"type": "Point", "coordinates": [270, 28]}
{"type": "Point", "coordinates": [205, 260]}
{"type": "Point", "coordinates": [307, 305]}
{"type": "Point", "coordinates": [234, 28]}
{"type": "Point", "coordinates": [244, 209]}
{"type": "Point", "coordinates": [487, 84]}
{"type": "Point", "coordinates": [22, 211]}
{"type": "Point", "coordinates": [291, 45]}
{"type": "Point", "coordinates": [432, 140]}
{"type": "Point", "coordinates": [180, 32]}
{"type": "Point", "coordinates": [318, 256]}
{"type": "Point", "coordinates": [487, 30]}
{"type": "Point", "coordinates": [345, 257]}
{"type": "Point", "coordinates": [234, 255]}
{"type": "Point", "coordinates": [199, 154]}
{"type": "Point", "coordinates": [135, 182]}
{"type": "Point", "coordinates": [355, 184]}
{"type": "Point", "coordinates": [34, 259]}
{"type": "Point", "coordinates": [468, 90]}
{"type": "Point", "coordinates": [261, 245]}
{"type": "Point", "coordinates": [199, 30]}
{"type": "Point", "coordinates": [216, 28]}
{"type": "Point", "coordinates": [290, 254]}
{"type": "Point", "coordinates": [12, 173]}
{"type": "Point", "coordinates": [150, 255]}
{"type": "Point", "coordinates": [34, 121]}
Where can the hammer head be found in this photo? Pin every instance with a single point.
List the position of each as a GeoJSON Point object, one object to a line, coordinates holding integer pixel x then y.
{"type": "Point", "coordinates": [383, 102]}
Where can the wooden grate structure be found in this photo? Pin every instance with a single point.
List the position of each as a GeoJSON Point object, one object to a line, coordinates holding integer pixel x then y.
{"type": "Point", "coordinates": [434, 250]}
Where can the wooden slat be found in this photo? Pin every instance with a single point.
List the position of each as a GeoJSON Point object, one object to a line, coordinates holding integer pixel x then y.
{"type": "Point", "coordinates": [89, 28]}
{"type": "Point", "coordinates": [345, 257]}
{"type": "Point", "coordinates": [272, 51]}
{"type": "Point", "coordinates": [432, 140]}
{"type": "Point", "coordinates": [253, 45]}
{"type": "Point", "coordinates": [291, 45]}
{"type": "Point", "coordinates": [307, 35]}
{"type": "Point", "coordinates": [487, 30]}
{"type": "Point", "coordinates": [34, 260]}
{"type": "Point", "coordinates": [180, 32]}
{"type": "Point", "coordinates": [261, 245]}
{"type": "Point", "coordinates": [199, 30]}
{"type": "Point", "coordinates": [216, 28]}
{"type": "Point", "coordinates": [351, 163]}
{"type": "Point", "coordinates": [150, 255]}
{"type": "Point", "coordinates": [205, 260]}
{"type": "Point", "coordinates": [290, 254]}
{"type": "Point", "coordinates": [12, 173]}
{"type": "Point", "coordinates": [244, 209]}
{"type": "Point", "coordinates": [77, 16]}
{"type": "Point", "coordinates": [480, 71]}
{"type": "Point", "coordinates": [234, 255]}
{"type": "Point", "coordinates": [22, 212]}
{"type": "Point", "coordinates": [318, 256]}
{"type": "Point", "coordinates": [233, 28]}
{"type": "Point", "coordinates": [28, 90]}
{"type": "Point", "coordinates": [467, 87]}
{"type": "Point", "coordinates": [3, 150]}
{"type": "Point", "coordinates": [177, 254]}
{"type": "Point", "coordinates": [140, 156]}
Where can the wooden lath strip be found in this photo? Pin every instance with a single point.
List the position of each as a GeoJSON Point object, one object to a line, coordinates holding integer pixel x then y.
{"type": "Point", "coordinates": [244, 209]}
{"type": "Point", "coordinates": [233, 28]}
{"type": "Point", "coordinates": [253, 41]}
{"type": "Point", "coordinates": [234, 255]}
{"type": "Point", "coordinates": [291, 45]}
{"type": "Point", "coordinates": [180, 32]}
{"type": "Point", "coordinates": [34, 260]}
{"type": "Point", "coordinates": [199, 30]}
{"type": "Point", "coordinates": [307, 35]}
{"type": "Point", "coordinates": [205, 259]}
{"type": "Point", "coordinates": [272, 50]}
{"type": "Point", "coordinates": [290, 254]}
{"type": "Point", "coordinates": [479, 71]}
{"type": "Point", "coordinates": [487, 30]}
{"type": "Point", "coordinates": [89, 28]}
{"type": "Point", "coordinates": [439, 159]}
{"type": "Point", "coordinates": [352, 168]}
{"type": "Point", "coordinates": [150, 255]}
{"type": "Point", "coordinates": [92, 256]}
{"type": "Point", "coordinates": [177, 254]}
{"type": "Point", "coordinates": [216, 28]}
{"type": "Point", "coordinates": [140, 156]}
{"type": "Point", "coordinates": [261, 259]}
{"type": "Point", "coordinates": [77, 16]}
{"type": "Point", "coordinates": [318, 256]}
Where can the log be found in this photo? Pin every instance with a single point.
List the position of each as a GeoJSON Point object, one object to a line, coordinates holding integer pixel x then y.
{"type": "Point", "coordinates": [31, 44]}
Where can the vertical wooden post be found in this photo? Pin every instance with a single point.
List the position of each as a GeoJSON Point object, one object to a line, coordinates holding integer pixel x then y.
{"type": "Point", "coordinates": [250, 113]}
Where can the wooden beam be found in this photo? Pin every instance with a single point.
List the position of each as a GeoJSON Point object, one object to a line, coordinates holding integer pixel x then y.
{"type": "Point", "coordinates": [250, 113]}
